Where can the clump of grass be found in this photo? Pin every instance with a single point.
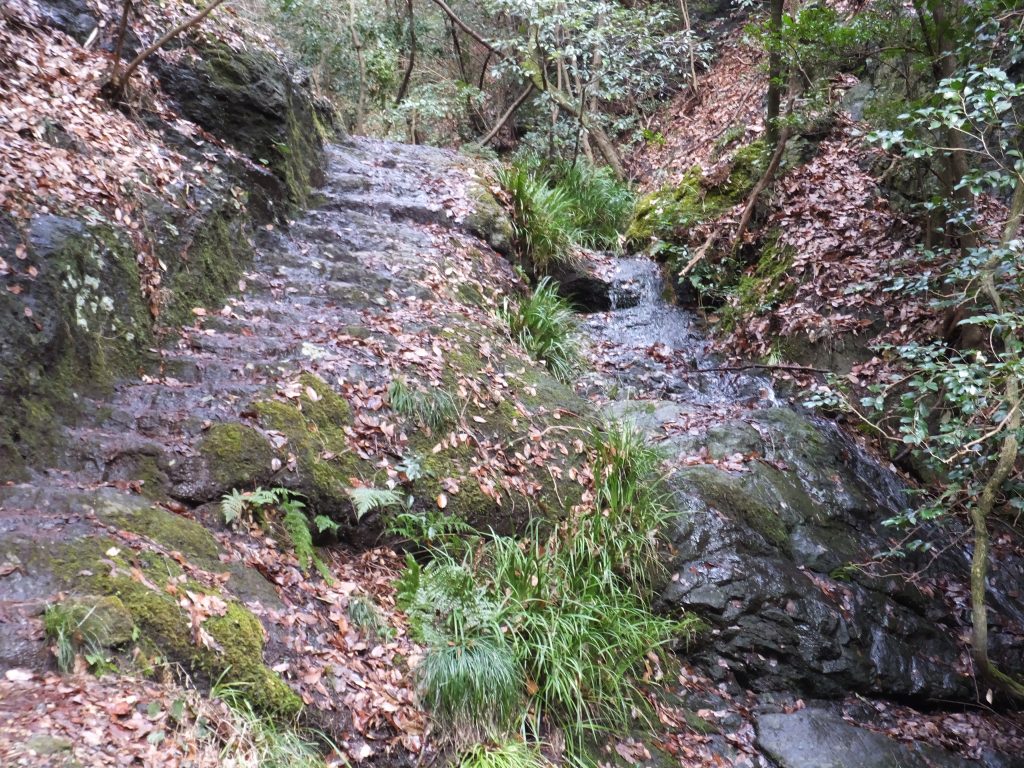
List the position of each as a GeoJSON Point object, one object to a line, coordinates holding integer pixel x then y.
{"type": "Point", "coordinates": [601, 206]}
{"type": "Point", "coordinates": [432, 408]}
{"type": "Point", "coordinates": [542, 219]}
{"type": "Point", "coordinates": [73, 630]}
{"type": "Point", "coordinates": [545, 326]}
{"type": "Point", "coordinates": [630, 509]}
{"type": "Point", "coordinates": [508, 754]}
{"type": "Point", "coordinates": [563, 206]}
{"type": "Point", "coordinates": [566, 607]}
{"type": "Point", "coordinates": [471, 687]}
{"type": "Point", "coordinates": [251, 739]}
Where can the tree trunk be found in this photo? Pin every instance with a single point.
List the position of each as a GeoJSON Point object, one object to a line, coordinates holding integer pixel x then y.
{"type": "Point", "coordinates": [774, 73]}
{"type": "Point", "coordinates": [412, 56]}
{"type": "Point", "coordinates": [1008, 454]}
{"type": "Point", "coordinates": [357, 43]}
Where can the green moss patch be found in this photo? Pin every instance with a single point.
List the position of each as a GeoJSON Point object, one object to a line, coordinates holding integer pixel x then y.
{"type": "Point", "coordinates": [238, 456]}
{"type": "Point", "coordinates": [136, 588]}
{"type": "Point", "coordinates": [314, 428]}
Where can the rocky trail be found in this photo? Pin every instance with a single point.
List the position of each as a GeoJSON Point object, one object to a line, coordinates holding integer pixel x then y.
{"type": "Point", "coordinates": [391, 273]}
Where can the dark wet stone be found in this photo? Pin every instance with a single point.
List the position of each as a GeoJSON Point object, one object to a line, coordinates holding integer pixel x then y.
{"type": "Point", "coordinates": [817, 738]}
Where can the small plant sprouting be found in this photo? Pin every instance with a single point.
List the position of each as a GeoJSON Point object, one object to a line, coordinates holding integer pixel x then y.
{"type": "Point", "coordinates": [72, 632]}
{"type": "Point", "coordinates": [431, 408]}
{"type": "Point", "coordinates": [545, 326]}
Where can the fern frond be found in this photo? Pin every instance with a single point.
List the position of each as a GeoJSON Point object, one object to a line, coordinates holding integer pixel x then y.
{"type": "Point", "coordinates": [233, 505]}
{"type": "Point", "coordinates": [324, 523]}
{"type": "Point", "coordinates": [365, 500]}
{"type": "Point", "coordinates": [297, 526]}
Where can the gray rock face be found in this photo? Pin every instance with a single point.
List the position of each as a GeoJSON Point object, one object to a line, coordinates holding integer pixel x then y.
{"type": "Point", "coordinates": [764, 554]}
{"type": "Point", "coordinates": [816, 738]}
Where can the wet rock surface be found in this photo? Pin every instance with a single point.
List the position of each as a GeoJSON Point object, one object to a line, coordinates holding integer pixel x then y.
{"type": "Point", "coordinates": [819, 738]}
{"type": "Point", "coordinates": [776, 511]}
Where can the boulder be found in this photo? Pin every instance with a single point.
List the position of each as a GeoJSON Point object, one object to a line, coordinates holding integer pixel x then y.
{"type": "Point", "coordinates": [773, 522]}
{"type": "Point", "coordinates": [819, 738]}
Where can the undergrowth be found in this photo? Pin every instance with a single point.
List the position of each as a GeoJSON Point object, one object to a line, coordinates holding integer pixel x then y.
{"type": "Point", "coordinates": [562, 206]}
{"type": "Point", "coordinates": [561, 616]}
{"type": "Point", "coordinates": [545, 326]}
{"type": "Point", "coordinates": [251, 739]}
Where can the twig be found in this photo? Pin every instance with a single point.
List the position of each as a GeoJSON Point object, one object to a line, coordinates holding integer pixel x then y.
{"type": "Point", "coordinates": [759, 366]}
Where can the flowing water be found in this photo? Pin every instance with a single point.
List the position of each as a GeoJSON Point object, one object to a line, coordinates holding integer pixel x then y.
{"type": "Point", "coordinates": [656, 350]}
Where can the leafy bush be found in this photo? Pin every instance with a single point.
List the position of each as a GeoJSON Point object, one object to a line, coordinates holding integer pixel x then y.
{"type": "Point", "coordinates": [545, 326]}
{"type": "Point", "coordinates": [565, 607]}
{"type": "Point", "coordinates": [542, 219]}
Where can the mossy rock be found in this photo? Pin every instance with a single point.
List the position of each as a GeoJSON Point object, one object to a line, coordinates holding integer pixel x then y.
{"type": "Point", "coordinates": [132, 594]}
{"type": "Point", "coordinates": [72, 329]}
{"type": "Point", "coordinates": [669, 213]}
{"type": "Point", "coordinates": [238, 455]}
{"type": "Point", "coordinates": [326, 466]}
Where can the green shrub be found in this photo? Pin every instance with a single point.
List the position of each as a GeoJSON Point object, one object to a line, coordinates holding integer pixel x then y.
{"type": "Point", "coordinates": [545, 326]}
{"type": "Point", "coordinates": [542, 219]}
{"type": "Point", "coordinates": [471, 687]}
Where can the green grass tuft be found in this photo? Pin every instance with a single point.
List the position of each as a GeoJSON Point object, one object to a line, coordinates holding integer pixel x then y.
{"type": "Point", "coordinates": [509, 754]}
{"type": "Point", "coordinates": [542, 219]}
{"type": "Point", "coordinates": [472, 688]}
{"type": "Point", "coordinates": [432, 408]}
{"type": "Point", "coordinates": [545, 326]}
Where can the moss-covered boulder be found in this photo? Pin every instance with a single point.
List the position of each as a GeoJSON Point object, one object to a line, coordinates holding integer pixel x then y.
{"type": "Point", "coordinates": [669, 213]}
{"type": "Point", "coordinates": [143, 581]}
{"type": "Point", "coordinates": [255, 102]}
{"type": "Point", "coordinates": [71, 320]}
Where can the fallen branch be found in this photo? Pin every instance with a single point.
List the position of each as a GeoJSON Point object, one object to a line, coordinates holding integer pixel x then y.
{"type": "Point", "coordinates": [764, 181]}
{"type": "Point", "coordinates": [759, 366]}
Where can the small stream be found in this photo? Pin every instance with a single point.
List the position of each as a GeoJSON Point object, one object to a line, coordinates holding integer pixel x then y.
{"type": "Point", "coordinates": [652, 349]}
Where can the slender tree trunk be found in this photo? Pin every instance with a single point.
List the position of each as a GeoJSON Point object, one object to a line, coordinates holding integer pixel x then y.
{"type": "Point", "coordinates": [1008, 454]}
{"type": "Point", "coordinates": [505, 117]}
{"type": "Point", "coordinates": [684, 9]}
{"type": "Point", "coordinates": [412, 55]}
{"type": "Point", "coordinates": [774, 73]}
{"type": "Point", "coordinates": [357, 43]}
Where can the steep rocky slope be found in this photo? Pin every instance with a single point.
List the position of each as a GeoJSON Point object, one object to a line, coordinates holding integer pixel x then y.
{"type": "Point", "coordinates": [276, 350]}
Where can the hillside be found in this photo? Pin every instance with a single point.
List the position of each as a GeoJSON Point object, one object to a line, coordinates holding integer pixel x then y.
{"type": "Point", "coordinates": [661, 433]}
